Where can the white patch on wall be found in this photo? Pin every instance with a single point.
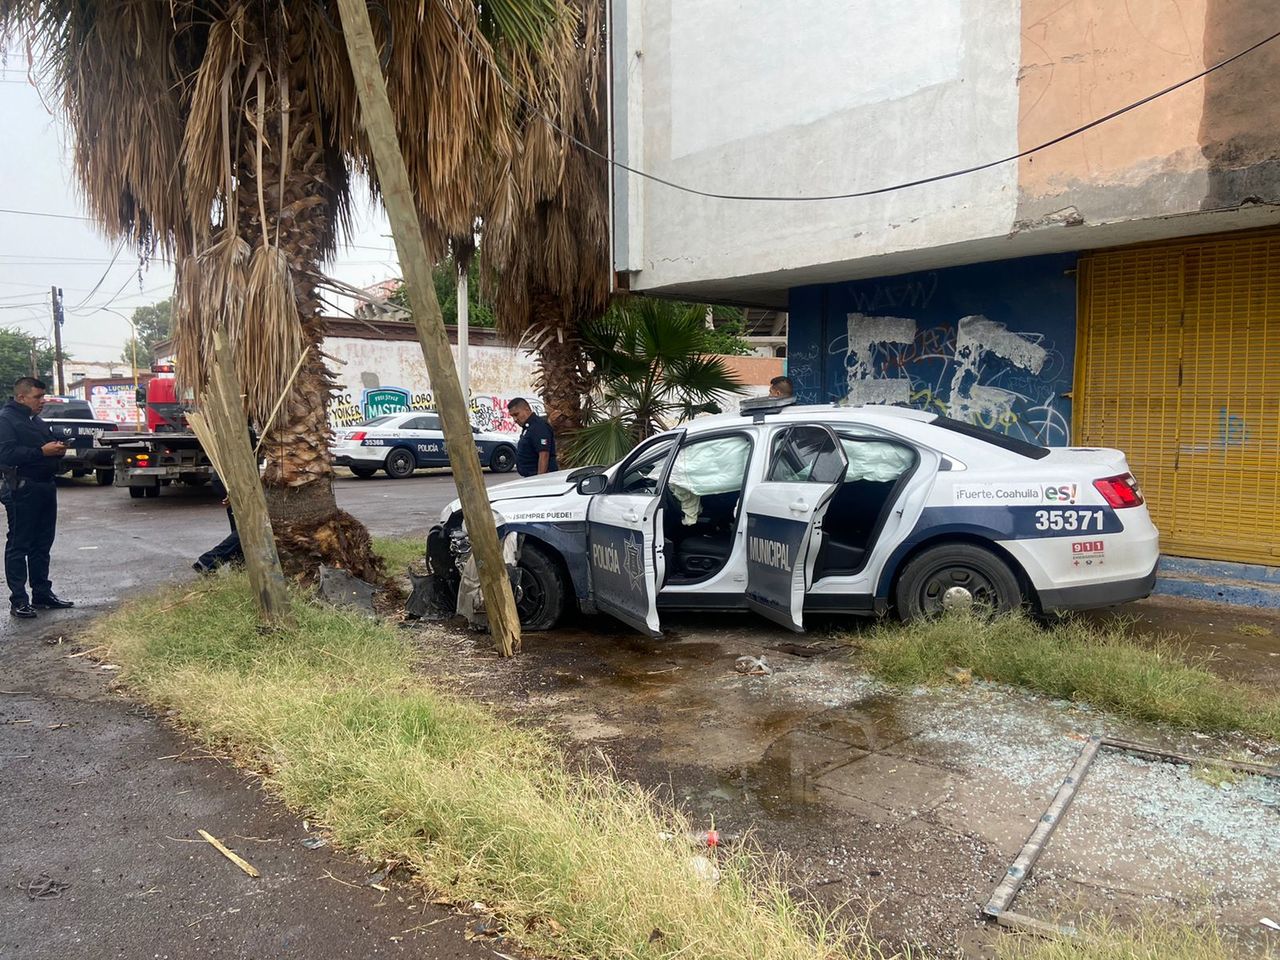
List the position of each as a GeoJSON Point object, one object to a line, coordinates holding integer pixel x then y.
{"type": "Point", "coordinates": [727, 60]}
{"type": "Point", "coordinates": [865, 335]}
{"type": "Point", "coordinates": [976, 337]}
{"type": "Point", "coordinates": [880, 353]}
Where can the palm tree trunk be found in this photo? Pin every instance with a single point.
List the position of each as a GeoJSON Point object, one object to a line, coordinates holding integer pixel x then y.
{"type": "Point", "coordinates": [309, 527]}
{"type": "Point", "coordinates": [561, 363]}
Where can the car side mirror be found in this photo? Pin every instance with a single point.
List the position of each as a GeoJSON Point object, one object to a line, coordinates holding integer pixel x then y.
{"type": "Point", "coordinates": [590, 486]}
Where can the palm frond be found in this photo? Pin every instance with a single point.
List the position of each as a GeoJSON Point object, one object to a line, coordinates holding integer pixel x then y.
{"type": "Point", "coordinates": [604, 441]}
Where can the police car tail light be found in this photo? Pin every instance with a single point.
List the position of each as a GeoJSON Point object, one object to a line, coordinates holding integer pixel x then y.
{"type": "Point", "coordinates": [1121, 491]}
{"type": "Point", "coordinates": [357, 435]}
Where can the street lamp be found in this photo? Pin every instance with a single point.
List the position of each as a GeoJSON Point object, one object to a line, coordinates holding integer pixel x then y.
{"type": "Point", "coordinates": [133, 364]}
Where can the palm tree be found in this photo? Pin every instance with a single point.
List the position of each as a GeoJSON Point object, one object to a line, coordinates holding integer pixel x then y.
{"type": "Point", "coordinates": [547, 265]}
{"type": "Point", "coordinates": [650, 370]}
{"type": "Point", "coordinates": [226, 134]}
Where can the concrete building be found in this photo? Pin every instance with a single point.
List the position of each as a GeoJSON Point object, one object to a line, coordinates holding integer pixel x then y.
{"type": "Point", "coordinates": [1119, 288]}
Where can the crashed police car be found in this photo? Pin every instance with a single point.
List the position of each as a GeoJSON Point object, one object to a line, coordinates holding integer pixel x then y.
{"type": "Point", "coordinates": [794, 510]}
{"type": "Point", "coordinates": [400, 443]}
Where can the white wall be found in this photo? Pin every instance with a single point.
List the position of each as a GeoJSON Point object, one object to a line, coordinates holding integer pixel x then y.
{"type": "Point", "coordinates": [824, 96]}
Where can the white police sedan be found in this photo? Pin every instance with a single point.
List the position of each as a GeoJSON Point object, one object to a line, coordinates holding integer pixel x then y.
{"type": "Point", "coordinates": [789, 511]}
{"type": "Point", "coordinates": [400, 443]}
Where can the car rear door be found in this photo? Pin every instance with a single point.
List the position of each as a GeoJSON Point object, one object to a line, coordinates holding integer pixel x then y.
{"type": "Point", "coordinates": [428, 440]}
{"type": "Point", "coordinates": [625, 552]}
{"type": "Point", "coordinates": [805, 468]}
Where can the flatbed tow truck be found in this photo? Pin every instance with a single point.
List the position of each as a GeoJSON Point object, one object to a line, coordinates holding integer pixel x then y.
{"type": "Point", "coordinates": [167, 451]}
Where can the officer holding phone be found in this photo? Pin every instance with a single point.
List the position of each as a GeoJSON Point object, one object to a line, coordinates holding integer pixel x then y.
{"type": "Point", "coordinates": [29, 457]}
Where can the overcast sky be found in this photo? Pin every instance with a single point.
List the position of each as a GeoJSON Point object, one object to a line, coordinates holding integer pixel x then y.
{"type": "Point", "coordinates": [39, 251]}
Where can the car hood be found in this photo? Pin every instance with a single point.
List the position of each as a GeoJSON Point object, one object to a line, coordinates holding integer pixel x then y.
{"type": "Point", "coordinates": [545, 485]}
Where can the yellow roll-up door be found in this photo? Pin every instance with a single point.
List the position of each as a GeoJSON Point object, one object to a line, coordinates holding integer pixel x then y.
{"type": "Point", "coordinates": [1178, 365]}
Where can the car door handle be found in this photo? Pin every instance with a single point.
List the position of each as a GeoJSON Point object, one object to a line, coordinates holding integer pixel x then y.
{"type": "Point", "coordinates": [799, 506]}
{"type": "Point", "coordinates": [630, 517]}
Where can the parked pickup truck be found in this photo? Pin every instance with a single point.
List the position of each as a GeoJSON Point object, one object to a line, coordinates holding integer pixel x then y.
{"type": "Point", "coordinates": [71, 420]}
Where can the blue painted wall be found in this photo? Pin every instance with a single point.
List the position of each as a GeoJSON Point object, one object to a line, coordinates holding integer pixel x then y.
{"type": "Point", "coordinates": [993, 343]}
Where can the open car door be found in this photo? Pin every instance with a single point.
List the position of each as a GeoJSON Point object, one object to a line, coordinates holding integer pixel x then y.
{"type": "Point", "coordinates": [806, 466]}
{"type": "Point", "coordinates": [624, 536]}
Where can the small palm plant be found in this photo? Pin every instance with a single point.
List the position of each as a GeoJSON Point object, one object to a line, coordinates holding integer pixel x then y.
{"type": "Point", "coordinates": [651, 367]}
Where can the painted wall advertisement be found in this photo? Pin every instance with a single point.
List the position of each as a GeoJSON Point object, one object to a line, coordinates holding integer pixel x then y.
{"type": "Point", "coordinates": [377, 378]}
{"type": "Point", "coordinates": [115, 402]}
{"type": "Point", "coordinates": [488, 411]}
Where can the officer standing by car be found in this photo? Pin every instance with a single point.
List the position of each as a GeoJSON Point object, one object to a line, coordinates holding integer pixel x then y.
{"type": "Point", "coordinates": [29, 457]}
{"type": "Point", "coordinates": [536, 451]}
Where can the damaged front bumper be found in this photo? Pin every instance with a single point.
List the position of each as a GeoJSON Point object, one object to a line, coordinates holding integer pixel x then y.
{"type": "Point", "coordinates": [452, 583]}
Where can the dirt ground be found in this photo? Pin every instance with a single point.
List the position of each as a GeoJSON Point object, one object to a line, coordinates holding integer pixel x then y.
{"type": "Point", "coordinates": [906, 808]}
{"type": "Point", "coordinates": [1239, 642]}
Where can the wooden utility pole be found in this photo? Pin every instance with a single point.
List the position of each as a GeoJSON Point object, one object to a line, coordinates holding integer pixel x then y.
{"type": "Point", "coordinates": [455, 416]}
{"type": "Point", "coordinates": [223, 429]}
{"type": "Point", "coordinates": [60, 383]}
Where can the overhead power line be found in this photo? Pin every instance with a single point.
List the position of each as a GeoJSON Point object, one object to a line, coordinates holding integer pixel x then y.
{"type": "Point", "coordinates": [892, 188]}
{"type": "Point", "coordinates": [852, 195]}
{"type": "Point", "coordinates": [51, 216]}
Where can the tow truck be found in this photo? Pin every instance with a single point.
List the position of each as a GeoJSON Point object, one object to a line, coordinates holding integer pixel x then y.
{"type": "Point", "coordinates": [167, 450]}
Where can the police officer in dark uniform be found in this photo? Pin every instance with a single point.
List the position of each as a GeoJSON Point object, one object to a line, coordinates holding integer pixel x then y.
{"type": "Point", "coordinates": [29, 458]}
{"type": "Point", "coordinates": [536, 451]}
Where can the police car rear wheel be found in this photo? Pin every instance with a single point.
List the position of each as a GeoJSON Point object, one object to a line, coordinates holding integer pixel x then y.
{"type": "Point", "coordinates": [502, 460]}
{"type": "Point", "coordinates": [364, 473]}
{"type": "Point", "coordinates": [541, 589]}
{"type": "Point", "coordinates": [399, 464]}
{"type": "Point", "coordinates": [956, 577]}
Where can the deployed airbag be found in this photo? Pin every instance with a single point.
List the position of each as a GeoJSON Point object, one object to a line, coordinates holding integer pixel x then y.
{"type": "Point", "coordinates": [702, 469]}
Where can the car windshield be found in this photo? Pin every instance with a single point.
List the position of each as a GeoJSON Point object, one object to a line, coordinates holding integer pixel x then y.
{"type": "Point", "coordinates": [67, 409]}
{"type": "Point", "coordinates": [376, 422]}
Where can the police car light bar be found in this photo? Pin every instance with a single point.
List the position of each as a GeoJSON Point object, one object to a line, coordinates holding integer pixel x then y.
{"type": "Point", "coordinates": [759, 407]}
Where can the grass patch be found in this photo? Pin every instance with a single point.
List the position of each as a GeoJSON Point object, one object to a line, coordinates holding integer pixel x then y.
{"type": "Point", "coordinates": [1152, 938]}
{"type": "Point", "coordinates": [335, 717]}
{"type": "Point", "coordinates": [1253, 630]}
{"type": "Point", "coordinates": [399, 552]}
{"type": "Point", "coordinates": [1074, 661]}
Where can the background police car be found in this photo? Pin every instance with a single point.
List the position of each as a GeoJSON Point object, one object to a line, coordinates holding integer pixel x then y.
{"type": "Point", "coordinates": [843, 510]}
{"type": "Point", "coordinates": [400, 443]}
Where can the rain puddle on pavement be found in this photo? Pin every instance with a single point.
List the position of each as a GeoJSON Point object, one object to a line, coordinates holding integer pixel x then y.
{"type": "Point", "coordinates": [915, 801]}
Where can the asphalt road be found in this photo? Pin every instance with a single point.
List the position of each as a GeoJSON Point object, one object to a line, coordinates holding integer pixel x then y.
{"type": "Point", "coordinates": [100, 796]}
{"type": "Point", "coordinates": [110, 545]}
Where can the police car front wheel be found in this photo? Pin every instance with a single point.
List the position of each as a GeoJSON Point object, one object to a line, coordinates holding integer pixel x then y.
{"type": "Point", "coordinates": [956, 577]}
{"type": "Point", "coordinates": [541, 589]}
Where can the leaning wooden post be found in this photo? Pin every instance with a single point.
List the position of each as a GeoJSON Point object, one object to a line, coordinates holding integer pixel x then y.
{"type": "Point", "coordinates": [393, 180]}
{"type": "Point", "coordinates": [223, 430]}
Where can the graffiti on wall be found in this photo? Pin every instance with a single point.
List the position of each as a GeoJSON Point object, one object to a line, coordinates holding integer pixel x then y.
{"type": "Point", "coordinates": [488, 411]}
{"type": "Point", "coordinates": [977, 370]}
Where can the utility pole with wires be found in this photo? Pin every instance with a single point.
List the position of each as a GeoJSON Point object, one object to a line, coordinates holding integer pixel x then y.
{"type": "Point", "coordinates": [60, 383]}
